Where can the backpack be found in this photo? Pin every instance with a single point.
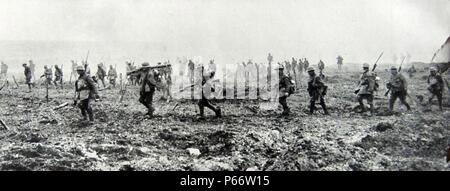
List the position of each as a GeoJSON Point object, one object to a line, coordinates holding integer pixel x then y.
{"type": "Point", "coordinates": [290, 85]}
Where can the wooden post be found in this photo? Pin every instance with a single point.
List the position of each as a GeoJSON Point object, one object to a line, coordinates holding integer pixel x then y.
{"type": "Point", "coordinates": [4, 125]}
{"type": "Point", "coordinates": [14, 78]}
{"type": "Point", "coordinates": [46, 88]}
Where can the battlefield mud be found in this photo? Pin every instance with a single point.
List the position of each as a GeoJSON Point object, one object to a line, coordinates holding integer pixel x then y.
{"type": "Point", "coordinates": [248, 137]}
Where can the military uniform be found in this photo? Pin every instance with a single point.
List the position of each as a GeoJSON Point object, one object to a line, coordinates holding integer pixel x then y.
{"type": "Point", "coordinates": [112, 76]}
{"type": "Point", "coordinates": [101, 74]}
{"type": "Point", "coordinates": [300, 66]}
{"type": "Point", "coordinates": [148, 87]}
{"type": "Point", "coordinates": [86, 92]}
{"type": "Point", "coordinates": [306, 64]}
{"type": "Point", "coordinates": [321, 67]}
{"type": "Point", "coordinates": [58, 76]}
{"type": "Point", "coordinates": [366, 89]}
{"type": "Point", "coordinates": [48, 74]}
{"type": "Point", "coordinates": [398, 86]}
{"type": "Point", "coordinates": [28, 76]}
{"type": "Point", "coordinates": [340, 62]}
{"type": "Point", "coordinates": [436, 87]}
{"type": "Point", "coordinates": [285, 84]}
{"type": "Point", "coordinates": [317, 90]}
{"type": "Point", "coordinates": [204, 102]}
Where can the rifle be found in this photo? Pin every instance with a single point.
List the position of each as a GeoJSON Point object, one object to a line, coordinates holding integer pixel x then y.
{"type": "Point", "coordinates": [137, 71]}
{"type": "Point", "coordinates": [399, 70]}
{"type": "Point", "coordinates": [373, 69]}
{"type": "Point", "coordinates": [376, 62]}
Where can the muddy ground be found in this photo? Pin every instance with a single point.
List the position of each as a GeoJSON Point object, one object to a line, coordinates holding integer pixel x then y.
{"type": "Point", "coordinates": [41, 138]}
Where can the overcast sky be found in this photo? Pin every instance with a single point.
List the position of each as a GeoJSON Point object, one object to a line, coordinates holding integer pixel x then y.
{"type": "Point", "coordinates": [357, 29]}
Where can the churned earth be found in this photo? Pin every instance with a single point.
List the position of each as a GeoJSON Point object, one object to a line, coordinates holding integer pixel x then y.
{"type": "Point", "coordinates": [248, 137]}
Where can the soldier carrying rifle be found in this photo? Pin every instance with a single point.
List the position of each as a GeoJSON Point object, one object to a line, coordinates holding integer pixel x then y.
{"type": "Point", "coordinates": [85, 92]}
{"type": "Point", "coordinates": [148, 87]}
{"type": "Point", "coordinates": [398, 88]}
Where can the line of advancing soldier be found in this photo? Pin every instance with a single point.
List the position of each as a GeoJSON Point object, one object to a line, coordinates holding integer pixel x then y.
{"type": "Point", "coordinates": [368, 84]}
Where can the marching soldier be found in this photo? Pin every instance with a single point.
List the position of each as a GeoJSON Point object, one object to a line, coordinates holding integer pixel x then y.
{"type": "Point", "coordinates": [28, 76]}
{"type": "Point", "coordinates": [286, 88]}
{"type": "Point", "coordinates": [207, 77]}
{"type": "Point", "coordinates": [306, 64]}
{"type": "Point", "coordinates": [317, 90]}
{"type": "Point", "coordinates": [101, 74]}
{"type": "Point", "coordinates": [58, 76]}
{"type": "Point", "coordinates": [48, 74]}
{"type": "Point", "coordinates": [321, 67]}
{"type": "Point", "coordinates": [148, 87]}
{"type": "Point", "coordinates": [398, 86]}
{"type": "Point", "coordinates": [411, 71]}
{"type": "Point", "coordinates": [270, 58]}
{"type": "Point", "coordinates": [85, 92]}
{"type": "Point", "coordinates": [300, 66]}
{"type": "Point", "coordinates": [112, 76]}
{"type": "Point", "coordinates": [366, 88]}
{"type": "Point", "coordinates": [288, 67]}
{"type": "Point", "coordinates": [340, 62]}
{"type": "Point", "coordinates": [435, 86]}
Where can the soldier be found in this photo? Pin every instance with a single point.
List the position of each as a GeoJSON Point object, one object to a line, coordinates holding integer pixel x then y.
{"type": "Point", "coordinates": [317, 90]}
{"type": "Point", "coordinates": [435, 86]}
{"type": "Point", "coordinates": [191, 68]}
{"type": "Point", "coordinates": [270, 58]}
{"type": "Point", "coordinates": [101, 73]}
{"type": "Point", "coordinates": [207, 77]}
{"type": "Point", "coordinates": [112, 76]}
{"type": "Point", "coordinates": [306, 64]}
{"type": "Point", "coordinates": [4, 70]}
{"type": "Point", "coordinates": [321, 67]}
{"type": "Point", "coordinates": [340, 62]}
{"type": "Point", "coordinates": [28, 76]}
{"type": "Point", "coordinates": [149, 84]}
{"type": "Point", "coordinates": [286, 88]}
{"type": "Point", "coordinates": [58, 76]}
{"type": "Point", "coordinates": [411, 71]}
{"type": "Point", "coordinates": [85, 92]}
{"type": "Point", "coordinates": [212, 67]}
{"type": "Point", "coordinates": [398, 86]}
{"type": "Point", "coordinates": [48, 74]}
{"type": "Point", "coordinates": [288, 67]}
{"type": "Point", "coordinates": [300, 66]}
{"type": "Point", "coordinates": [366, 89]}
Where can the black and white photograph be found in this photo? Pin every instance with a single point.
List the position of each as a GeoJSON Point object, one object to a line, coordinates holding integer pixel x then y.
{"type": "Point", "coordinates": [225, 85]}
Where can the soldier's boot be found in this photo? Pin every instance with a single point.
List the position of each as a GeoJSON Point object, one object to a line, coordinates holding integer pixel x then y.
{"type": "Point", "coordinates": [202, 112]}
{"type": "Point", "coordinates": [286, 111]}
{"type": "Point", "coordinates": [408, 107]}
{"type": "Point", "coordinates": [83, 114]}
{"type": "Point", "coordinates": [311, 108]}
{"type": "Point", "coordinates": [90, 114]}
{"type": "Point", "coordinates": [440, 103]}
{"type": "Point", "coordinates": [325, 110]}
